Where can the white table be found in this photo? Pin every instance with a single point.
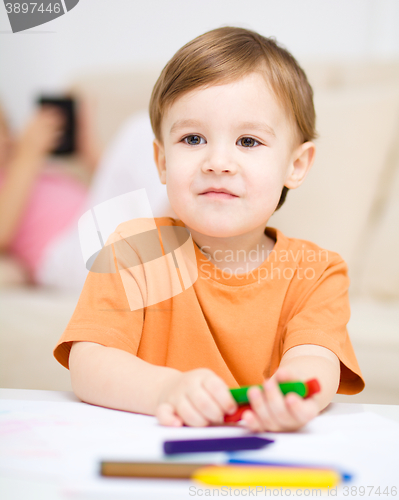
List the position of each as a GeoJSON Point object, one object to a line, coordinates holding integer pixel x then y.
{"type": "Point", "coordinates": [39, 420]}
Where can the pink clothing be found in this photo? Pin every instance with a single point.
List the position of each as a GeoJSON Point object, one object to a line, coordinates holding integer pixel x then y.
{"type": "Point", "coordinates": [55, 201]}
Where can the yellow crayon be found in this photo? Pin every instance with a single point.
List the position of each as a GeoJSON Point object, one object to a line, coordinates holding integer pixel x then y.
{"type": "Point", "coordinates": [237, 475]}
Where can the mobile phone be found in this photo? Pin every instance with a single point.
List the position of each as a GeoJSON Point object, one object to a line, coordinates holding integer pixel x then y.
{"type": "Point", "coordinates": [67, 105]}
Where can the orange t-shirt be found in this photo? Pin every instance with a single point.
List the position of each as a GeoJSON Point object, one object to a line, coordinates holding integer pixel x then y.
{"type": "Point", "coordinates": [184, 312]}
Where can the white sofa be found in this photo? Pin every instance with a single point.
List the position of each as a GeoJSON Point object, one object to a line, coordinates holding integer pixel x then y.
{"type": "Point", "coordinates": [349, 203]}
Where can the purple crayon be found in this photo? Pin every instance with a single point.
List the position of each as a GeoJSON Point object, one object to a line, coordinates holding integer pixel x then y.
{"type": "Point", "coordinates": [218, 444]}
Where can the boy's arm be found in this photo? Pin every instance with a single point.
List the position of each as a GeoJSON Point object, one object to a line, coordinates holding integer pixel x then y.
{"type": "Point", "coordinates": [110, 377]}
{"type": "Point", "coordinates": [313, 361]}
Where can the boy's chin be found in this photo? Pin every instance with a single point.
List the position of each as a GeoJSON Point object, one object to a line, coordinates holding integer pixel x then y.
{"type": "Point", "coordinates": [213, 228]}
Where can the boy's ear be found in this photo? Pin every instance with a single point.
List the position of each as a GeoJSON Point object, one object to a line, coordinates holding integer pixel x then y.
{"type": "Point", "coordinates": [159, 158]}
{"type": "Point", "coordinates": [302, 161]}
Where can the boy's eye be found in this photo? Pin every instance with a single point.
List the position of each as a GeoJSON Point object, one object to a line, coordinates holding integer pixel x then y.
{"type": "Point", "coordinates": [192, 140]}
{"type": "Point", "coordinates": [248, 141]}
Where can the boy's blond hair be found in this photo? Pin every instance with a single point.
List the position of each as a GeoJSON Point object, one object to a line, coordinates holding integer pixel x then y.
{"type": "Point", "coordinates": [226, 54]}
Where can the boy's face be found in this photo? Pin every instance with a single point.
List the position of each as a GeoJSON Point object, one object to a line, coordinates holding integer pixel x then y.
{"type": "Point", "coordinates": [237, 137]}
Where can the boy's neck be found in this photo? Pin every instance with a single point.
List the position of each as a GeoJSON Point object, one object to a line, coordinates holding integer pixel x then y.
{"type": "Point", "coordinates": [246, 251]}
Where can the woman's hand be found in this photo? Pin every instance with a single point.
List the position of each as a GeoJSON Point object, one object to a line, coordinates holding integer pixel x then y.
{"type": "Point", "coordinates": [196, 398]}
{"type": "Point", "coordinates": [272, 411]}
{"type": "Point", "coordinates": [42, 134]}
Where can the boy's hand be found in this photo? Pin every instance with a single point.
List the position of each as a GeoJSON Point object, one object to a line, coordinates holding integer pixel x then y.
{"type": "Point", "coordinates": [272, 411]}
{"type": "Point", "coordinates": [196, 398]}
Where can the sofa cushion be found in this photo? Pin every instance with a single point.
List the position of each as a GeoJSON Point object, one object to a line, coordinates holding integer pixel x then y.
{"type": "Point", "coordinates": [334, 205]}
{"type": "Point", "coordinates": [379, 276]}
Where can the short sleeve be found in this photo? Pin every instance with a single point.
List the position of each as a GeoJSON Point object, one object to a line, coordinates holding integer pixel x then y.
{"type": "Point", "coordinates": [320, 317]}
{"type": "Point", "coordinates": [103, 316]}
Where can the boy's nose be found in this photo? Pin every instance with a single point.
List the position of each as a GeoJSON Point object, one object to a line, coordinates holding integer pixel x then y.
{"type": "Point", "coordinates": [219, 161]}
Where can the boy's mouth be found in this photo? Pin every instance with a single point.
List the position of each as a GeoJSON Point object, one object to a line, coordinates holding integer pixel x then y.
{"type": "Point", "coordinates": [221, 193]}
{"type": "Point", "coordinates": [221, 196]}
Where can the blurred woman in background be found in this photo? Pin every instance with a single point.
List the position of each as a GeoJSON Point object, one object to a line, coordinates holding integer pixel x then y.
{"type": "Point", "coordinates": [41, 203]}
{"type": "Point", "coordinates": [39, 198]}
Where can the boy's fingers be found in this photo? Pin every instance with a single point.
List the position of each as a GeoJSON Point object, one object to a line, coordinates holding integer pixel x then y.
{"type": "Point", "coordinates": [189, 414]}
{"type": "Point", "coordinates": [252, 421]}
{"type": "Point", "coordinates": [220, 394]}
{"type": "Point", "coordinates": [260, 409]}
{"type": "Point", "coordinates": [280, 416]}
{"type": "Point", "coordinates": [301, 410]}
{"type": "Point", "coordinates": [166, 415]}
{"type": "Point", "coordinates": [204, 403]}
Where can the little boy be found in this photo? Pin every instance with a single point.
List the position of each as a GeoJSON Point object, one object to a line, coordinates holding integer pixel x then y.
{"type": "Point", "coordinates": [233, 118]}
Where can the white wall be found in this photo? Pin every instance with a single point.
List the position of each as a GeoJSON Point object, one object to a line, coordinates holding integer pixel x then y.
{"type": "Point", "coordinates": [98, 33]}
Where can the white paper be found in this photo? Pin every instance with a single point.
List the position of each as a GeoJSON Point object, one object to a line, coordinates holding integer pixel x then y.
{"type": "Point", "coordinates": [66, 441]}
